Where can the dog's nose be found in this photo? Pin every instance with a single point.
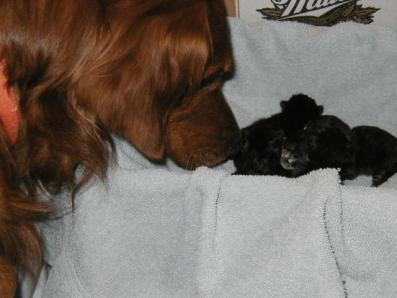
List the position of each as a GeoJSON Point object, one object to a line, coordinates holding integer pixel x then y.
{"type": "Point", "coordinates": [235, 146]}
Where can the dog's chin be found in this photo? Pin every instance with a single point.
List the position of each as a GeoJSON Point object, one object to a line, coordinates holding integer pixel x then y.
{"type": "Point", "coordinates": [208, 157]}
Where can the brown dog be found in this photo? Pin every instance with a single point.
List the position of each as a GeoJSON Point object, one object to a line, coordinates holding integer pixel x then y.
{"type": "Point", "coordinates": [75, 70]}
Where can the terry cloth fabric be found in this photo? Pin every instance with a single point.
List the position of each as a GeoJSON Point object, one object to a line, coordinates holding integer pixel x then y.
{"type": "Point", "coordinates": [159, 231]}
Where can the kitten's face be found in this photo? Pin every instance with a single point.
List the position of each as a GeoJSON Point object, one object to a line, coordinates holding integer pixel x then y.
{"type": "Point", "coordinates": [260, 154]}
{"type": "Point", "coordinates": [295, 155]}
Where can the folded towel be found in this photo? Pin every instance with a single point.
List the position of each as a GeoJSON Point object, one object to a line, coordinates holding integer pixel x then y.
{"type": "Point", "coordinates": [157, 233]}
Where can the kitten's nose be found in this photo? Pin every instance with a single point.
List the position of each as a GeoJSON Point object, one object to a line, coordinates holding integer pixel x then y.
{"type": "Point", "coordinates": [285, 154]}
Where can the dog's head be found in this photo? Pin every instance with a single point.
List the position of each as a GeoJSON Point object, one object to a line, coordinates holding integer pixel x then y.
{"type": "Point", "coordinates": [158, 76]}
{"type": "Point", "coordinates": [150, 71]}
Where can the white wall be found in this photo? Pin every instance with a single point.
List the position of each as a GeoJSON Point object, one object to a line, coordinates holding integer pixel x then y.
{"type": "Point", "coordinates": [387, 15]}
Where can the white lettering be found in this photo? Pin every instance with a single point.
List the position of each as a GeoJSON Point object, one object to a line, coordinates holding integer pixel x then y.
{"type": "Point", "coordinates": [300, 7]}
{"type": "Point", "coordinates": [289, 9]}
{"type": "Point", "coordinates": [310, 5]}
{"type": "Point", "coordinates": [296, 7]}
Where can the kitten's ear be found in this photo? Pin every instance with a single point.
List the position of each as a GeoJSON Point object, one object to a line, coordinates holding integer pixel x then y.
{"type": "Point", "coordinates": [283, 104]}
{"type": "Point", "coordinates": [320, 109]}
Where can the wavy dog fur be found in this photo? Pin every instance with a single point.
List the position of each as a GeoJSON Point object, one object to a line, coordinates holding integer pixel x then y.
{"type": "Point", "coordinates": [149, 71]}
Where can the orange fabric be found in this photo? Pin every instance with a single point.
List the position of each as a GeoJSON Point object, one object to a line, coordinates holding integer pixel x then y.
{"type": "Point", "coordinates": [9, 112]}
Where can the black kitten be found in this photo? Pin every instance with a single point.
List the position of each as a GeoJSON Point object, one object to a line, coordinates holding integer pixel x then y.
{"type": "Point", "coordinates": [376, 153]}
{"type": "Point", "coordinates": [327, 142]}
{"type": "Point", "coordinates": [263, 139]}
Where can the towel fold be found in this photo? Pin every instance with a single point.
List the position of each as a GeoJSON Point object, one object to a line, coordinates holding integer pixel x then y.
{"type": "Point", "coordinates": [160, 233]}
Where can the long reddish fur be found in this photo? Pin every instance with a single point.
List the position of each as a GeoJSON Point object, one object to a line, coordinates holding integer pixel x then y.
{"type": "Point", "coordinates": [83, 68]}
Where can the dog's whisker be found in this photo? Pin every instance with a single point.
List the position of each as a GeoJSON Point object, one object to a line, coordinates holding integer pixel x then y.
{"type": "Point", "coordinates": [189, 159]}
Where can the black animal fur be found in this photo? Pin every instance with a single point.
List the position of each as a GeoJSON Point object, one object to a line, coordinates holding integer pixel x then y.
{"type": "Point", "coordinates": [327, 142]}
{"type": "Point", "coordinates": [263, 139]}
{"type": "Point", "coordinates": [376, 153]}
{"type": "Point", "coordinates": [298, 140]}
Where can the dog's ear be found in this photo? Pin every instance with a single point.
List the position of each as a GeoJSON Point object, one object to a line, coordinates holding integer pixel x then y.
{"type": "Point", "coordinates": [161, 58]}
{"type": "Point", "coordinates": [283, 104]}
{"type": "Point", "coordinates": [185, 50]}
{"type": "Point", "coordinates": [175, 60]}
